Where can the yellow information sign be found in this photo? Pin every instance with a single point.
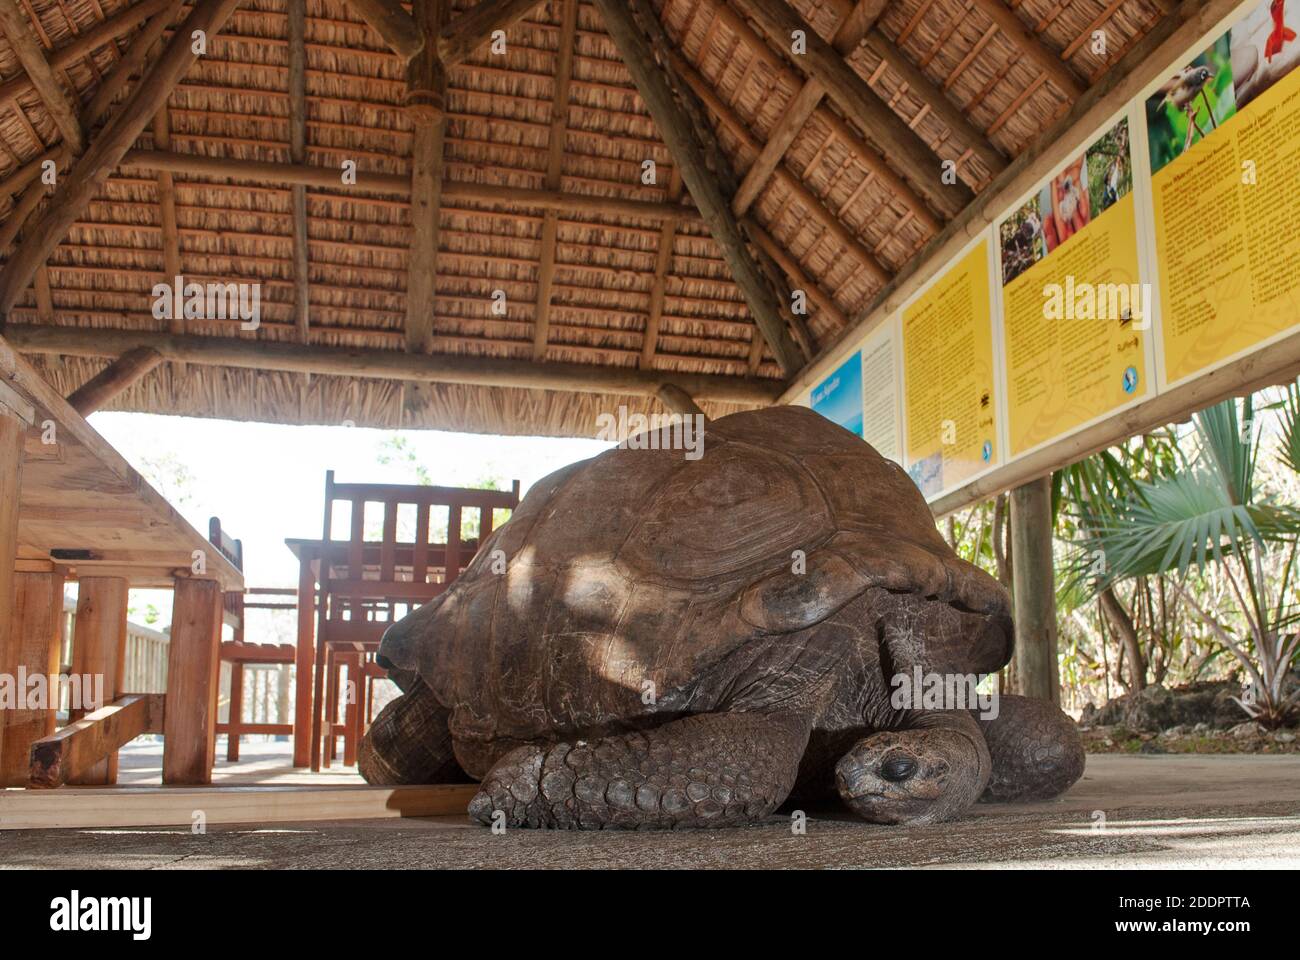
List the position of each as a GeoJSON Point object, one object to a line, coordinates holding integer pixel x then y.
{"type": "Point", "coordinates": [1073, 305]}
{"type": "Point", "coordinates": [1224, 138]}
{"type": "Point", "coordinates": [948, 377]}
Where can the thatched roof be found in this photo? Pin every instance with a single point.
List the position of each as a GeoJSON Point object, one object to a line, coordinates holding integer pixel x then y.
{"type": "Point", "coordinates": [832, 191]}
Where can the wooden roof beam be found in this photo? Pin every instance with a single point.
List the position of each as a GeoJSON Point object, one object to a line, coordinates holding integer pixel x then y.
{"type": "Point", "coordinates": [113, 379]}
{"type": "Point", "coordinates": [120, 23]}
{"type": "Point", "coordinates": [681, 137]}
{"type": "Point", "coordinates": [82, 182]}
{"type": "Point", "coordinates": [62, 105]}
{"type": "Point", "coordinates": [861, 18]}
{"type": "Point", "coordinates": [394, 24]}
{"type": "Point", "coordinates": [263, 354]}
{"type": "Point", "coordinates": [328, 178]}
{"type": "Point", "coordinates": [475, 27]}
{"type": "Point", "coordinates": [554, 158]}
{"type": "Point", "coordinates": [297, 14]}
{"type": "Point", "coordinates": [868, 156]}
{"type": "Point", "coordinates": [861, 104]}
{"type": "Point", "coordinates": [1057, 70]}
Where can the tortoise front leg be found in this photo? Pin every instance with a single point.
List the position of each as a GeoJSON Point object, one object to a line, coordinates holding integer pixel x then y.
{"type": "Point", "coordinates": [1036, 749]}
{"type": "Point", "coordinates": [710, 770]}
{"type": "Point", "coordinates": [409, 742]}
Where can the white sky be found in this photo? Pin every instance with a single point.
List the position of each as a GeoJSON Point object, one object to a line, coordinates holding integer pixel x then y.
{"type": "Point", "coordinates": [267, 481]}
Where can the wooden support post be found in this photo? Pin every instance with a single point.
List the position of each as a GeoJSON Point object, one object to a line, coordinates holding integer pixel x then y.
{"type": "Point", "coordinates": [304, 663]}
{"type": "Point", "coordinates": [113, 379]}
{"type": "Point", "coordinates": [554, 161]}
{"type": "Point", "coordinates": [16, 415]}
{"type": "Point", "coordinates": [99, 649]}
{"type": "Point", "coordinates": [1034, 590]}
{"type": "Point", "coordinates": [680, 135]}
{"type": "Point", "coordinates": [193, 669]}
{"type": "Point", "coordinates": [426, 91]}
{"type": "Point", "coordinates": [23, 41]}
{"type": "Point", "coordinates": [235, 714]}
{"type": "Point", "coordinates": [84, 180]}
{"type": "Point", "coordinates": [32, 651]}
{"type": "Point", "coordinates": [875, 118]}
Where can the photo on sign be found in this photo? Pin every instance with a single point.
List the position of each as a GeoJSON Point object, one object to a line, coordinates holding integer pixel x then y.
{"type": "Point", "coordinates": [1264, 48]}
{"type": "Point", "coordinates": [1023, 241]}
{"type": "Point", "coordinates": [838, 398]}
{"type": "Point", "coordinates": [1191, 104]}
{"type": "Point", "coordinates": [1109, 169]}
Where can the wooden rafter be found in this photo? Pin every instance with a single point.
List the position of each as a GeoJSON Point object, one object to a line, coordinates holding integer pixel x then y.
{"type": "Point", "coordinates": [297, 15]}
{"type": "Point", "coordinates": [78, 186]}
{"type": "Point", "coordinates": [136, 53]}
{"type": "Point", "coordinates": [663, 264]}
{"type": "Point", "coordinates": [113, 379]}
{"type": "Point", "coordinates": [61, 104]}
{"type": "Point", "coordinates": [870, 158]}
{"type": "Point", "coordinates": [386, 364]}
{"type": "Point", "coordinates": [1033, 47]}
{"type": "Point", "coordinates": [682, 138]}
{"type": "Point", "coordinates": [122, 22]}
{"type": "Point", "coordinates": [171, 245]}
{"type": "Point", "coordinates": [861, 104]}
{"type": "Point", "coordinates": [394, 24]}
{"type": "Point", "coordinates": [554, 161]}
{"type": "Point", "coordinates": [848, 35]}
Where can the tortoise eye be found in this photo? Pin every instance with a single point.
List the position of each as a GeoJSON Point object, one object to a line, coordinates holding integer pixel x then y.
{"type": "Point", "coordinates": [898, 769]}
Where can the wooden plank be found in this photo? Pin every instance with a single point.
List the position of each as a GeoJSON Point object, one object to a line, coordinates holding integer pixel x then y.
{"type": "Point", "coordinates": [386, 364]}
{"type": "Point", "coordinates": [32, 649]}
{"type": "Point", "coordinates": [473, 28]}
{"type": "Point", "coordinates": [257, 171]}
{"type": "Point", "coordinates": [392, 23]}
{"type": "Point", "coordinates": [99, 649]}
{"type": "Point", "coordinates": [680, 135]}
{"type": "Point", "coordinates": [80, 750]}
{"type": "Point", "coordinates": [27, 48]}
{"type": "Point", "coordinates": [910, 155]}
{"type": "Point", "coordinates": [1032, 45]}
{"type": "Point", "coordinates": [150, 806]}
{"type": "Point", "coordinates": [554, 162]}
{"type": "Point", "coordinates": [79, 186]}
{"type": "Point", "coordinates": [192, 674]}
{"type": "Point", "coordinates": [118, 376]}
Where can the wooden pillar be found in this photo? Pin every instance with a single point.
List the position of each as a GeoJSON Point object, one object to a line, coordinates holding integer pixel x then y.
{"type": "Point", "coordinates": [15, 417]}
{"type": "Point", "coordinates": [99, 648]}
{"type": "Point", "coordinates": [304, 660]}
{"type": "Point", "coordinates": [1034, 590]}
{"type": "Point", "coordinates": [35, 628]}
{"type": "Point", "coordinates": [236, 711]}
{"type": "Point", "coordinates": [193, 669]}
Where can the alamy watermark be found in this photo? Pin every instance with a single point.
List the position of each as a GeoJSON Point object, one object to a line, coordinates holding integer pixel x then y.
{"type": "Point", "coordinates": [659, 431]}
{"type": "Point", "coordinates": [39, 691]}
{"type": "Point", "coordinates": [181, 300]}
{"type": "Point", "coordinates": [942, 691]}
{"type": "Point", "coordinates": [1126, 302]}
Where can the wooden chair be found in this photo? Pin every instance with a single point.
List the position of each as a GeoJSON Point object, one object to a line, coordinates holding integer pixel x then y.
{"type": "Point", "coordinates": [366, 584]}
{"type": "Point", "coordinates": [240, 654]}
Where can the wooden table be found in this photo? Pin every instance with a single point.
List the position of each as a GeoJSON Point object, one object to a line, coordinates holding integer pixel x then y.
{"type": "Point", "coordinates": [70, 506]}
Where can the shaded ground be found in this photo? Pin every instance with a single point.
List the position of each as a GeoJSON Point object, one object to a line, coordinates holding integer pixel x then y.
{"type": "Point", "coordinates": [1128, 811]}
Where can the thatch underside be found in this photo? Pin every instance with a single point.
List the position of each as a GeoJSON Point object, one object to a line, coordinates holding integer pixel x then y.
{"type": "Point", "coordinates": [842, 214]}
{"type": "Point", "coordinates": [273, 397]}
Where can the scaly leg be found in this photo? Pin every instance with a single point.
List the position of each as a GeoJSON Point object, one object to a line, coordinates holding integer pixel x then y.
{"type": "Point", "coordinates": [711, 770]}
{"type": "Point", "coordinates": [1036, 750]}
{"type": "Point", "coordinates": [409, 742]}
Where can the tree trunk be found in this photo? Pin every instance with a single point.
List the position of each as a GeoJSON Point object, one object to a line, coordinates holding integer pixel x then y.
{"type": "Point", "coordinates": [1123, 625]}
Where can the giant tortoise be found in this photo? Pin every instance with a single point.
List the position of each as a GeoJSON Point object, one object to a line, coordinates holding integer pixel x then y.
{"type": "Point", "coordinates": [658, 641]}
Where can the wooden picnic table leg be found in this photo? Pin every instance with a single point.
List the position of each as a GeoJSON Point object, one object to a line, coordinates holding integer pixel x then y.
{"type": "Point", "coordinates": [13, 431]}
{"type": "Point", "coordinates": [32, 650]}
{"type": "Point", "coordinates": [99, 649]}
{"type": "Point", "coordinates": [351, 717]}
{"type": "Point", "coordinates": [304, 661]}
{"type": "Point", "coordinates": [193, 671]}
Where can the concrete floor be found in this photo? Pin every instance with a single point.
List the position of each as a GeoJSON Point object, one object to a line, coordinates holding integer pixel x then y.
{"type": "Point", "coordinates": [1128, 811]}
